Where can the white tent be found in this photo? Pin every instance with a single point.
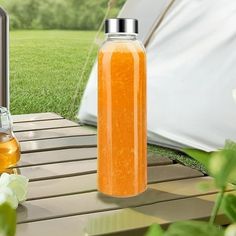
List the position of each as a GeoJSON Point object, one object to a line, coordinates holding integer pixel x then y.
{"type": "Point", "coordinates": [191, 51]}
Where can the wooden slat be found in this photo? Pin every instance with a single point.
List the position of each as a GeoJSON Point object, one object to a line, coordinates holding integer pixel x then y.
{"type": "Point", "coordinates": [164, 172]}
{"type": "Point", "coordinates": [94, 202]}
{"type": "Point", "coordinates": [171, 172]}
{"type": "Point", "coordinates": [154, 159]}
{"type": "Point", "coordinates": [58, 143]}
{"type": "Point", "coordinates": [125, 222]}
{"type": "Point", "coordinates": [66, 169]}
{"type": "Point", "coordinates": [78, 184]}
{"type": "Point", "coordinates": [62, 186]}
{"type": "Point", "coordinates": [73, 154]}
{"type": "Point", "coordinates": [45, 124]}
{"type": "Point", "coordinates": [87, 183]}
{"type": "Point", "coordinates": [57, 156]}
{"type": "Point", "coordinates": [35, 117]}
{"type": "Point", "coordinates": [54, 133]}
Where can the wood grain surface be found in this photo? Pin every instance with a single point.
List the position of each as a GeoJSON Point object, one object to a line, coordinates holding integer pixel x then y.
{"type": "Point", "coordinates": [59, 157]}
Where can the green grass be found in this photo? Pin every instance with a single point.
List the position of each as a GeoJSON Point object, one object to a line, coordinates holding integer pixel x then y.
{"type": "Point", "coordinates": [177, 156]}
{"type": "Point", "coordinates": [45, 67]}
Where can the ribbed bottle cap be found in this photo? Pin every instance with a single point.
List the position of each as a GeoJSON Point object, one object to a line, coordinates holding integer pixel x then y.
{"type": "Point", "coordinates": [121, 25]}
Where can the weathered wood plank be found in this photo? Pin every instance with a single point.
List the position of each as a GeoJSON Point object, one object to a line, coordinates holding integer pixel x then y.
{"type": "Point", "coordinates": [58, 143]}
{"type": "Point", "coordinates": [59, 170]}
{"type": "Point", "coordinates": [128, 221]}
{"type": "Point", "coordinates": [74, 184]}
{"type": "Point", "coordinates": [73, 154]}
{"type": "Point", "coordinates": [125, 222]}
{"type": "Point", "coordinates": [171, 172]}
{"type": "Point", "coordinates": [57, 156]}
{"type": "Point", "coordinates": [95, 202]}
{"type": "Point", "coordinates": [42, 172]}
{"type": "Point", "coordinates": [82, 183]}
{"type": "Point", "coordinates": [35, 117]}
{"type": "Point", "coordinates": [63, 184]}
{"type": "Point", "coordinates": [54, 133]}
{"type": "Point", "coordinates": [154, 159]}
{"type": "Point", "coordinates": [45, 124]}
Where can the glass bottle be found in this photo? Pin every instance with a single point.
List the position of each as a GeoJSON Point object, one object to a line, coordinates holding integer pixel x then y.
{"type": "Point", "coordinates": [9, 146]}
{"type": "Point", "coordinates": [122, 138]}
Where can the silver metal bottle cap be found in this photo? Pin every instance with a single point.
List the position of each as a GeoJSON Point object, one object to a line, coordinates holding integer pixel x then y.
{"type": "Point", "coordinates": [121, 25]}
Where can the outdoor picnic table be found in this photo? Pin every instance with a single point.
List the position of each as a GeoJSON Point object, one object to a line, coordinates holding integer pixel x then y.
{"type": "Point", "coordinates": [59, 158]}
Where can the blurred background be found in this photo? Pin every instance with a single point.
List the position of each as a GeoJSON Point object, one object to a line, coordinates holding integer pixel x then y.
{"type": "Point", "coordinates": [53, 44]}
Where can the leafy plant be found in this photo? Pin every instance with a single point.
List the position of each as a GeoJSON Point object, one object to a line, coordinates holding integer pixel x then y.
{"type": "Point", "coordinates": [155, 230]}
{"type": "Point", "coordinates": [229, 206]}
{"type": "Point", "coordinates": [7, 220]}
{"type": "Point", "coordinates": [13, 190]}
{"type": "Point", "coordinates": [221, 165]}
{"type": "Point", "coordinates": [193, 228]}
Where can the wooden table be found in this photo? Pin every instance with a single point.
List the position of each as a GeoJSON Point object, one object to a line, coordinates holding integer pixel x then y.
{"type": "Point", "coordinates": [59, 158]}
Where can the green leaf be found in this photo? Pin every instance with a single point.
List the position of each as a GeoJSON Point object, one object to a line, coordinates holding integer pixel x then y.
{"type": "Point", "coordinates": [155, 230]}
{"type": "Point", "coordinates": [193, 228]}
{"type": "Point", "coordinates": [229, 206]}
{"type": "Point", "coordinates": [229, 144]}
{"type": "Point", "coordinates": [199, 155]}
{"type": "Point", "coordinates": [7, 220]}
{"type": "Point", "coordinates": [222, 166]}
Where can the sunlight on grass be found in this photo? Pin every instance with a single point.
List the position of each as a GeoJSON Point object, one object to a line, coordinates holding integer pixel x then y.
{"type": "Point", "coordinates": [45, 68]}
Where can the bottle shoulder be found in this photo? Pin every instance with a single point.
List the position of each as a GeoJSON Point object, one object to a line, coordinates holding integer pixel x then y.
{"type": "Point", "coordinates": [110, 46]}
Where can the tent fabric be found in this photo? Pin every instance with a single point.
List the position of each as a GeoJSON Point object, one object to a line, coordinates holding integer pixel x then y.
{"type": "Point", "coordinates": [191, 72]}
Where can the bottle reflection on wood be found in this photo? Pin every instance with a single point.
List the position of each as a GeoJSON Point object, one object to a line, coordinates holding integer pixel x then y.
{"type": "Point", "coordinates": [9, 146]}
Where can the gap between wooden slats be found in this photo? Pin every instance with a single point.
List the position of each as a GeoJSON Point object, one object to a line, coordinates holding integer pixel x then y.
{"type": "Point", "coordinates": [53, 133]}
{"type": "Point", "coordinates": [35, 117]}
{"type": "Point", "coordinates": [94, 223]}
{"type": "Point", "coordinates": [75, 154]}
{"type": "Point", "coordinates": [87, 183]}
{"type": "Point", "coordinates": [45, 124]}
{"type": "Point", "coordinates": [126, 222]}
{"type": "Point", "coordinates": [58, 143]}
{"type": "Point", "coordinates": [66, 169]}
{"type": "Point", "coordinates": [95, 202]}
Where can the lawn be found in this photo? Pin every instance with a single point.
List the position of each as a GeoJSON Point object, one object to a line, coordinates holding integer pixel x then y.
{"type": "Point", "coordinates": [45, 67]}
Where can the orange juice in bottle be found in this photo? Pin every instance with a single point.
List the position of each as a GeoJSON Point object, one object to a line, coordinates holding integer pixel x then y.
{"type": "Point", "coordinates": [9, 146]}
{"type": "Point", "coordinates": [122, 142]}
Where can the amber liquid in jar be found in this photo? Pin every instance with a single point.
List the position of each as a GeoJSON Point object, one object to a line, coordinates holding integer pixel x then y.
{"type": "Point", "coordinates": [9, 151]}
{"type": "Point", "coordinates": [122, 143]}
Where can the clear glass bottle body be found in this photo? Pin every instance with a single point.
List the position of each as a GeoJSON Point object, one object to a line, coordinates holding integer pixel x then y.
{"type": "Point", "coordinates": [122, 142]}
{"type": "Point", "coordinates": [9, 146]}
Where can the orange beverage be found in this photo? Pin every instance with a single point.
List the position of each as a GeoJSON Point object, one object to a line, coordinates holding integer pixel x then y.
{"type": "Point", "coordinates": [9, 146]}
{"type": "Point", "coordinates": [122, 143]}
{"type": "Point", "coordinates": [9, 151]}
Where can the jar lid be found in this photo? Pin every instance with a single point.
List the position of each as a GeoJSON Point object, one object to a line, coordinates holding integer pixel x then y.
{"type": "Point", "coordinates": [121, 25]}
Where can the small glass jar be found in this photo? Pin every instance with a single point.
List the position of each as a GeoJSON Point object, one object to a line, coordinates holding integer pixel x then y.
{"type": "Point", "coordinates": [9, 146]}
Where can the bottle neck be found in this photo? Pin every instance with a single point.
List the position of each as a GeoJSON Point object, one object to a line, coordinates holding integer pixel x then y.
{"type": "Point", "coordinates": [115, 36]}
{"type": "Point", "coordinates": [5, 121]}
